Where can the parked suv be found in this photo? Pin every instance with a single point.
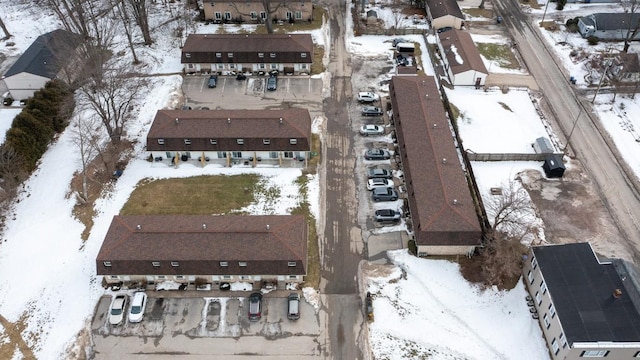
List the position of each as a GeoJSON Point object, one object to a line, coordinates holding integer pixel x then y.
{"type": "Point", "coordinates": [374, 173]}
{"type": "Point", "coordinates": [383, 215]}
{"type": "Point", "coordinates": [377, 154]}
{"type": "Point", "coordinates": [384, 194]}
{"type": "Point", "coordinates": [272, 82]}
{"type": "Point", "coordinates": [379, 182]}
{"type": "Point", "coordinates": [371, 129]}
{"type": "Point", "coordinates": [116, 313]}
{"type": "Point", "coordinates": [138, 304]}
{"type": "Point", "coordinates": [367, 97]}
{"type": "Point", "coordinates": [255, 306]}
{"type": "Point", "coordinates": [213, 81]}
{"type": "Point", "coordinates": [293, 306]}
{"type": "Point", "coordinates": [371, 111]}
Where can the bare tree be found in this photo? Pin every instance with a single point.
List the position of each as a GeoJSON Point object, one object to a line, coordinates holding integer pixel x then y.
{"type": "Point", "coordinates": [631, 7]}
{"type": "Point", "coordinates": [398, 18]}
{"type": "Point", "coordinates": [11, 172]}
{"type": "Point", "coordinates": [112, 98]}
{"type": "Point", "coordinates": [139, 8]}
{"type": "Point", "coordinates": [85, 135]}
{"type": "Point", "coordinates": [121, 11]}
{"type": "Point", "coordinates": [4, 29]}
{"type": "Point", "coordinates": [270, 8]}
{"type": "Point", "coordinates": [512, 212]}
{"type": "Point", "coordinates": [501, 260]}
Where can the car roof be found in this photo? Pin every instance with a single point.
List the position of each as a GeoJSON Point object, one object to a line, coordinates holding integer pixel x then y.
{"type": "Point", "coordinates": [139, 296]}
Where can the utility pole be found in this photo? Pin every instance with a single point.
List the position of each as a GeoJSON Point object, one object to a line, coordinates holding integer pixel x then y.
{"type": "Point", "coordinates": [545, 13]}
{"type": "Point", "coordinates": [573, 127]}
{"type": "Point", "coordinates": [604, 74]}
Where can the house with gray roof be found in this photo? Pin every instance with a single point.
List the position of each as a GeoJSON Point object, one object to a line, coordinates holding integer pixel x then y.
{"type": "Point", "coordinates": [461, 59]}
{"type": "Point", "coordinates": [48, 58]}
{"type": "Point", "coordinates": [228, 54]}
{"type": "Point", "coordinates": [610, 26]}
{"type": "Point", "coordinates": [228, 137]}
{"type": "Point", "coordinates": [190, 249]}
{"type": "Point", "coordinates": [587, 308]}
{"type": "Point", "coordinates": [444, 13]}
{"type": "Point", "coordinates": [253, 11]}
{"type": "Point", "coordinates": [442, 210]}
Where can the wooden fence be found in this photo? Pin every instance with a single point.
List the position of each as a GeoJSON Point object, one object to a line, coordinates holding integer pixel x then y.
{"type": "Point", "coordinates": [505, 157]}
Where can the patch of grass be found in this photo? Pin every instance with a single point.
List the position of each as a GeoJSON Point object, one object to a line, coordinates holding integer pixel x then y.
{"type": "Point", "coordinates": [505, 106]}
{"type": "Point", "coordinates": [500, 53]}
{"type": "Point", "coordinates": [549, 25]}
{"type": "Point", "coordinates": [532, 3]}
{"type": "Point", "coordinates": [318, 53]}
{"type": "Point", "coordinates": [455, 112]}
{"type": "Point", "coordinates": [316, 147]}
{"type": "Point", "coordinates": [313, 251]}
{"type": "Point", "coordinates": [199, 195]}
{"type": "Point", "coordinates": [477, 12]}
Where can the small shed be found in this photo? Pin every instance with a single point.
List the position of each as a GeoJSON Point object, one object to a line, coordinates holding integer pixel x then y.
{"type": "Point", "coordinates": [543, 146]}
{"type": "Point", "coordinates": [553, 166]}
{"type": "Point", "coordinates": [406, 48]}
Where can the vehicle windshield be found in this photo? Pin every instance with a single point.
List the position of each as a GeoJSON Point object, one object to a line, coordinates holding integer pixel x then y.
{"type": "Point", "coordinates": [136, 309]}
{"type": "Point", "coordinates": [116, 311]}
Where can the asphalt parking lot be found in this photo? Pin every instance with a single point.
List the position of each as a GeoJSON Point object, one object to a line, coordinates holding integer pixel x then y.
{"type": "Point", "coordinates": [252, 94]}
{"type": "Point", "coordinates": [189, 327]}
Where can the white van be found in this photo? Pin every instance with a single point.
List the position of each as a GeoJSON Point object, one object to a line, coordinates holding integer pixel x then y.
{"type": "Point", "coordinates": [293, 308]}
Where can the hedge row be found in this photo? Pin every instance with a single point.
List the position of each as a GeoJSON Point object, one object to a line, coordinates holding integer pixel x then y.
{"type": "Point", "coordinates": [45, 114]}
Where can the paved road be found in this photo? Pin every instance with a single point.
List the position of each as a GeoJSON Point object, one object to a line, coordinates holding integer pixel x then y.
{"type": "Point", "coordinates": [590, 144]}
{"type": "Point", "coordinates": [341, 243]}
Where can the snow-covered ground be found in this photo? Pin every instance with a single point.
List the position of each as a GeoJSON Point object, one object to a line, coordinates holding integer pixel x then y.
{"type": "Point", "coordinates": [47, 273]}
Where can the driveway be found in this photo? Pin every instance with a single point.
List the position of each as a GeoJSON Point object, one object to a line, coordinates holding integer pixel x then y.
{"type": "Point", "coordinates": [193, 327]}
{"type": "Point", "coordinates": [251, 94]}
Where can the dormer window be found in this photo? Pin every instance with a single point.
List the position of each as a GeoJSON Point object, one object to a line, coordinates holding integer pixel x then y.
{"type": "Point", "coordinates": [175, 264]}
{"type": "Point", "coordinates": [266, 141]}
{"type": "Point", "coordinates": [272, 55]}
{"type": "Point", "coordinates": [291, 263]}
{"type": "Point", "coordinates": [240, 141]}
{"type": "Point", "coordinates": [218, 55]}
{"type": "Point", "coordinates": [293, 141]}
{"type": "Point", "coordinates": [187, 55]}
{"type": "Point", "coordinates": [224, 263]}
{"type": "Point", "coordinates": [187, 141]}
{"type": "Point", "coordinates": [304, 55]}
{"type": "Point", "coordinates": [213, 141]}
{"type": "Point", "coordinates": [260, 55]}
{"type": "Point", "coordinates": [230, 55]}
{"type": "Point", "coordinates": [107, 263]}
{"type": "Point", "coordinates": [155, 263]}
{"type": "Point", "coordinates": [160, 141]}
{"type": "Point", "coordinates": [242, 263]}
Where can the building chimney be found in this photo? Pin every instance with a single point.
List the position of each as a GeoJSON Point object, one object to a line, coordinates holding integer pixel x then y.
{"type": "Point", "coordinates": [617, 294]}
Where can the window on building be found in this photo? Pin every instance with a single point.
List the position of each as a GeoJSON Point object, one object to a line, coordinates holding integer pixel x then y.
{"type": "Point", "coordinates": [242, 263]}
{"type": "Point", "coordinates": [555, 347]}
{"type": "Point", "coordinates": [220, 66]}
{"type": "Point", "coordinates": [534, 263]}
{"type": "Point", "coordinates": [292, 277]}
{"type": "Point", "coordinates": [226, 277]}
{"type": "Point", "coordinates": [289, 15]}
{"type": "Point", "coordinates": [161, 277]}
{"type": "Point", "coordinates": [530, 277]}
{"type": "Point", "coordinates": [303, 66]}
{"type": "Point", "coordinates": [224, 263]}
{"type": "Point", "coordinates": [213, 141]}
{"type": "Point", "coordinates": [274, 66]}
{"type": "Point", "coordinates": [273, 155]}
{"type": "Point", "coordinates": [187, 141]}
{"type": "Point", "coordinates": [304, 55]}
{"type": "Point", "coordinates": [594, 353]}
{"type": "Point", "coordinates": [263, 15]}
{"type": "Point", "coordinates": [293, 141]}
{"type": "Point", "coordinates": [298, 15]}
{"type": "Point", "coordinates": [543, 287]}
{"type": "Point", "coordinates": [291, 263]}
{"type": "Point", "coordinates": [272, 55]}
{"type": "Point", "coordinates": [179, 277]}
{"type": "Point", "coordinates": [266, 141]}
{"type": "Point", "coordinates": [230, 55]}
{"type": "Point", "coordinates": [254, 15]}
{"type": "Point", "coordinates": [218, 55]}
{"type": "Point", "coordinates": [288, 154]}
{"type": "Point", "coordinates": [175, 264]}
{"type": "Point", "coordinates": [155, 263]}
{"type": "Point", "coordinates": [262, 66]}
{"type": "Point", "coordinates": [552, 310]}
{"type": "Point", "coordinates": [113, 277]}
{"type": "Point", "coordinates": [236, 154]}
{"type": "Point", "coordinates": [538, 298]}
{"type": "Point", "coordinates": [245, 277]}
{"type": "Point", "coordinates": [240, 141]}
{"type": "Point", "coordinates": [160, 141]}
{"type": "Point", "coordinates": [546, 320]}
{"type": "Point", "coordinates": [227, 15]}
{"type": "Point", "coordinates": [218, 16]}
{"type": "Point", "coordinates": [107, 263]}
{"type": "Point", "coordinates": [232, 66]}
{"type": "Point", "coordinates": [222, 154]}
{"type": "Point", "coordinates": [563, 341]}
{"type": "Point", "coordinates": [260, 55]}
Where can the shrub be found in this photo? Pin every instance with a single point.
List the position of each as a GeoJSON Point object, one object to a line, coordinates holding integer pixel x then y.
{"type": "Point", "coordinates": [413, 249]}
{"type": "Point", "coordinates": [593, 40]}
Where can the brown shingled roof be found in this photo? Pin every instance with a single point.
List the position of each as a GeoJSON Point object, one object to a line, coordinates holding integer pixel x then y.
{"type": "Point", "coordinates": [464, 48]}
{"type": "Point", "coordinates": [200, 242]}
{"type": "Point", "coordinates": [440, 200]}
{"type": "Point", "coordinates": [202, 48]}
{"type": "Point", "coordinates": [440, 8]}
{"type": "Point", "coordinates": [226, 126]}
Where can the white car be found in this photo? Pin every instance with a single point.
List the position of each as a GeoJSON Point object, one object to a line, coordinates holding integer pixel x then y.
{"type": "Point", "coordinates": [371, 129]}
{"type": "Point", "coordinates": [116, 312]}
{"type": "Point", "coordinates": [378, 183]}
{"type": "Point", "coordinates": [367, 97]}
{"type": "Point", "coordinates": [138, 304]}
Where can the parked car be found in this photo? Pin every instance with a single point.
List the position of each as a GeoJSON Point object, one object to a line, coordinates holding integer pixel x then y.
{"type": "Point", "coordinates": [379, 182]}
{"type": "Point", "coordinates": [213, 81]}
{"type": "Point", "coordinates": [377, 154]}
{"type": "Point", "coordinates": [272, 82]}
{"type": "Point", "coordinates": [371, 111]}
{"type": "Point", "coordinates": [367, 97]}
{"type": "Point", "coordinates": [138, 304]}
{"type": "Point", "coordinates": [255, 306]}
{"type": "Point", "coordinates": [401, 60]}
{"type": "Point", "coordinates": [384, 194]}
{"type": "Point", "coordinates": [375, 173]}
{"type": "Point", "coordinates": [371, 129]}
{"type": "Point", "coordinates": [186, 107]}
{"type": "Point", "coordinates": [384, 215]}
{"type": "Point", "coordinates": [241, 76]}
{"type": "Point", "coordinates": [116, 312]}
{"type": "Point", "coordinates": [444, 29]}
{"type": "Point", "coordinates": [293, 306]}
{"type": "Point", "coordinates": [397, 41]}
